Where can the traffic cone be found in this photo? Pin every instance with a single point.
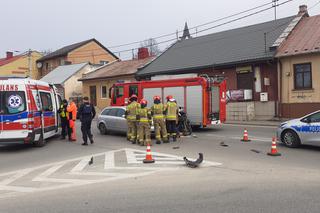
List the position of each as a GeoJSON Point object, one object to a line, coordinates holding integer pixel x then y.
{"type": "Point", "coordinates": [245, 136]}
{"type": "Point", "coordinates": [148, 158]}
{"type": "Point", "coordinates": [274, 151]}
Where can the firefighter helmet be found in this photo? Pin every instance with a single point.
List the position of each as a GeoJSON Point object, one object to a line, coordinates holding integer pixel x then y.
{"type": "Point", "coordinates": [133, 96]}
{"type": "Point", "coordinates": [156, 98]}
{"type": "Point", "coordinates": [143, 102]}
{"type": "Point", "coordinates": [169, 97]}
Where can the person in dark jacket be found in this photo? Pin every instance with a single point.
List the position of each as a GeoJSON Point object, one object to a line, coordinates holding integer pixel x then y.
{"type": "Point", "coordinates": [86, 114]}
{"type": "Point", "coordinates": [64, 117]}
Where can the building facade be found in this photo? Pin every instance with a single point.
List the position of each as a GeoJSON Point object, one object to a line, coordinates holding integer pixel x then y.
{"type": "Point", "coordinates": [22, 65]}
{"type": "Point", "coordinates": [90, 51]}
{"type": "Point", "coordinates": [299, 70]}
{"type": "Point", "coordinates": [97, 84]}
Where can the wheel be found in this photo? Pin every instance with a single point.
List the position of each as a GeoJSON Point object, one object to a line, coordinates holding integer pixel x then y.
{"type": "Point", "coordinates": [102, 129]}
{"type": "Point", "coordinates": [41, 142]}
{"type": "Point", "coordinates": [290, 139]}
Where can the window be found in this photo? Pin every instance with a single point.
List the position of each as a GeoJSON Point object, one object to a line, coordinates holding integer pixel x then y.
{"type": "Point", "coordinates": [105, 112]}
{"type": "Point", "coordinates": [103, 92]}
{"type": "Point", "coordinates": [61, 62]}
{"type": "Point", "coordinates": [113, 112]}
{"type": "Point", "coordinates": [302, 76]}
{"type": "Point", "coordinates": [133, 89]}
{"type": "Point", "coordinates": [120, 113]}
{"type": "Point", "coordinates": [245, 80]}
{"type": "Point", "coordinates": [47, 66]}
{"type": "Point", "coordinates": [12, 102]}
{"type": "Point", "coordinates": [46, 101]}
{"type": "Point", "coordinates": [119, 91]}
{"type": "Point", "coordinates": [314, 118]}
{"type": "Point", "coordinates": [104, 62]}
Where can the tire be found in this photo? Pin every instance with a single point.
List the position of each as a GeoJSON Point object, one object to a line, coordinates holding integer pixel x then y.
{"type": "Point", "coordinates": [290, 139]}
{"type": "Point", "coordinates": [103, 129]}
{"type": "Point", "coordinates": [41, 142]}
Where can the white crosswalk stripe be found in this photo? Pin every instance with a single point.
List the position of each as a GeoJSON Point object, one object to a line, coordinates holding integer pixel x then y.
{"type": "Point", "coordinates": [77, 172]}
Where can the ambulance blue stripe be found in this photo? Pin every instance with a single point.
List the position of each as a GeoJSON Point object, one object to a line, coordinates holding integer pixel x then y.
{"type": "Point", "coordinates": [15, 117]}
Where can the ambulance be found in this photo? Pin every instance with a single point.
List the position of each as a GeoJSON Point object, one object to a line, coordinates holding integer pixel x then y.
{"type": "Point", "coordinates": [28, 111]}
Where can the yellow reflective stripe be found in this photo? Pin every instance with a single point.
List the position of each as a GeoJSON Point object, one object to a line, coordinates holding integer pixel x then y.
{"type": "Point", "coordinates": [158, 116]}
{"type": "Point", "coordinates": [144, 120]}
{"type": "Point", "coordinates": [171, 116]}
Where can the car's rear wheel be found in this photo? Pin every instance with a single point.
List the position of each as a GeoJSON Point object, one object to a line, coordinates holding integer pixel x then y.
{"type": "Point", "coordinates": [290, 139]}
{"type": "Point", "coordinates": [103, 129]}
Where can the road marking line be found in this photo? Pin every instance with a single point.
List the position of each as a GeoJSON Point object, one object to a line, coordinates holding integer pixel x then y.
{"type": "Point", "coordinates": [15, 177]}
{"type": "Point", "coordinates": [131, 156]}
{"type": "Point", "coordinates": [81, 165]}
{"type": "Point", "coordinates": [109, 160]}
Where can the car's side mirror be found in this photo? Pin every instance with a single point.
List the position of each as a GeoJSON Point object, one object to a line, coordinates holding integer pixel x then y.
{"type": "Point", "coordinates": [124, 116]}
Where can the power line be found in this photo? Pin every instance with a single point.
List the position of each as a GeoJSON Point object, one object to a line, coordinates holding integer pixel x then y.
{"type": "Point", "coordinates": [201, 25]}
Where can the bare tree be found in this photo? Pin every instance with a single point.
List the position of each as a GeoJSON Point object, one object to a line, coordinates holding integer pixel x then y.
{"type": "Point", "coordinates": [152, 45]}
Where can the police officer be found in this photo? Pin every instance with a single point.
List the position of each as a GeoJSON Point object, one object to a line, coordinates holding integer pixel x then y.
{"type": "Point", "coordinates": [144, 124]}
{"type": "Point", "coordinates": [157, 112]}
{"type": "Point", "coordinates": [172, 117]}
{"type": "Point", "coordinates": [86, 113]}
{"type": "Point", "coordinates": [64, 118]}
{"type": "Point", "coordinates": [131, 114]}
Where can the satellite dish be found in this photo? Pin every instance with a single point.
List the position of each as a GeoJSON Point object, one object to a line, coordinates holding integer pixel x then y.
{"type": "Point", "coordinates": [39, 64]}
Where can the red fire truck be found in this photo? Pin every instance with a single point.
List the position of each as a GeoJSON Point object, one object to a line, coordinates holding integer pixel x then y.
{"type": "Point", "coordinates": [202, 98]}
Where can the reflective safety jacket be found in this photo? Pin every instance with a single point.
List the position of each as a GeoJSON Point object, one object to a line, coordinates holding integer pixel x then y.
{"type": "Point", "coordinates": [157, 111]}
{"type": "Point", "coordinates": [132, 110]}
{"type": "Point", "coordinates": [171, 111]}
{"type": "Point", "coordinates": [144, 115]}
{"type": "Point", "coordinates": [63, 111]}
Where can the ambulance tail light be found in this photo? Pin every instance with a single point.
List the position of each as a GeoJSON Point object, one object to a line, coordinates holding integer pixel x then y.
{"type": "Point", "coordinates": [30, 121]}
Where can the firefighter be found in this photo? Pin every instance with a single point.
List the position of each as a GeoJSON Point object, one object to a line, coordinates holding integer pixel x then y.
{"type": "Point", "coordinates": [144, 124]}
{"type": "Point", "coordinates": [72, 110]}
{"type": "Point", "coordinates": [131, 114]}
{"type": "Point", "coordinates": [157, 112]}
{"type": "Point", "coordinates": [64, 118]}
{"type": "Point", "coordinates": [171, 117]}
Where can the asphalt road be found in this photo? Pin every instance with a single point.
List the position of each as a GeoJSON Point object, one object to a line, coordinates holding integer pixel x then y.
{"type": "Point", "coordinates": [240, 178]}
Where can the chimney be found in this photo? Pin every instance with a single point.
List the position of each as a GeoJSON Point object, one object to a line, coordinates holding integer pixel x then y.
{"type": "Point", "coordinates": [303, 9]}
{"type": "Point", "coordinates": [9, 55]}
{"type": "Point", "coordinates": [143, 53]}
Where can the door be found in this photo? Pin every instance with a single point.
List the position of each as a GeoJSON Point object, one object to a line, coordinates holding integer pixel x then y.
{"type": "Point", "coordinates": [1, 112]}
{"type": "Point", "coordinates": [195, 105]}
{"type": "Point", "coordinates": [48, 114]}
{"type": "Point", "coordinates": [93, 95]}
{"type": "Point", "coordinates": [121, 121]}
{"type": "Point", "coordinates": [310, 130]}
{"type": "Point", "coordinates": [118, 96]}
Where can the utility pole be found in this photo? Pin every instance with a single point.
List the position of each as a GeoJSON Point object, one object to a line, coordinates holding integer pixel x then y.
{"type": "Point", "coordinates": [29, 63]}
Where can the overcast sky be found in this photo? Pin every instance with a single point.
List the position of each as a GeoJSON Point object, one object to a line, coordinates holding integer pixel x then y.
{"type": "Point", "coordinates": [51, 24]}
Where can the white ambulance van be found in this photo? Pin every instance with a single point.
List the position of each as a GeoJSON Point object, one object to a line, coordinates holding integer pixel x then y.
{"type": "Point", "coordinates": [28, 111]}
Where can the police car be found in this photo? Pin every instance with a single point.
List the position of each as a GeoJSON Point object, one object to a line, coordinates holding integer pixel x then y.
{"type": "Point", "coordinates": [305, 130]}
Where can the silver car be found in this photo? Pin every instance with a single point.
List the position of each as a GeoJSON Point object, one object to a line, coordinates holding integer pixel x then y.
{"type": "Point", "coordinates": [113, 119]}
{"type": "Point", "coordinates": [305, 130]}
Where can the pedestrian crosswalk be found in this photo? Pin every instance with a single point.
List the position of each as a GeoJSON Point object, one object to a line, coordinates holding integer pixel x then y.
{"type": "Point", "coordinates": [107, 166]}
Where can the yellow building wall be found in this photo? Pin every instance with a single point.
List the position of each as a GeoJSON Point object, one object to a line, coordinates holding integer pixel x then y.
{"type": "Point", "coordinates": [289, 94]}
{"type": "Point", "coordinates": [91, 52]}
{"type": "Point", "coordinates": [20, 67]}
{"type": "Point", "coordinates": [102, 102]}
{"type": "Point", "coordinates": [73, 87]}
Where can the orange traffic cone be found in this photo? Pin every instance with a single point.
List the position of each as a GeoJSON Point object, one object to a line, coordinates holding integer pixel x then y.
{"type": "Point", "coordinates": [274, 151]}
{"type": "Point", "coordinates": [245, 136]}
{"type": "Point", "coordinates": [148, 156]}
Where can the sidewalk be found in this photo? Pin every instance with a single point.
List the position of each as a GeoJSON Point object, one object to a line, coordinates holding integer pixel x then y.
{"type": "Point", "coordinates": [255, 123]}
